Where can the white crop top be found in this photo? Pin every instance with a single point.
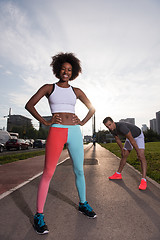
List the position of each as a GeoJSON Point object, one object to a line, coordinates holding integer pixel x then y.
{"type": "Point", "coordinates": [62, 99]}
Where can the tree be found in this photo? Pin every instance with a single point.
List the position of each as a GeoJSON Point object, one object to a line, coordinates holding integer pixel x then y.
{"type": "Point", "coordinates": [42, 133]}
{"type": "Point", "coordinates": [151, 136]}
{"type": "Point", "coordinates": [101, 136]}
{"type": "Point", "coordinates": [31, 133]}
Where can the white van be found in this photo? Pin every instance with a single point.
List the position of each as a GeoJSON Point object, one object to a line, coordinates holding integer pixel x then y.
{"type": "Point", "coordinates": [4, 136]}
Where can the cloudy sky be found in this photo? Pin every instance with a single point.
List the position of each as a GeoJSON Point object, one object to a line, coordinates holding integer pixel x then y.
{"type": "Point", "coordinates": [118, 43]}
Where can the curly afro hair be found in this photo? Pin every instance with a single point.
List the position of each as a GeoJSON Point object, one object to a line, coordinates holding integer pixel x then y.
{"type": "Point", "coordinates": [61, 58]}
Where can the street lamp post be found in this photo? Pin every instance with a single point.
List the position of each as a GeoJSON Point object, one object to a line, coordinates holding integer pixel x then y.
{"type": "Point", "coordinates": [94, 129]}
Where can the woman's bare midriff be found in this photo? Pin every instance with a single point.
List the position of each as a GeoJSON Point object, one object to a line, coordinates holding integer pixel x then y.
{"type": "Point", "coordinates": [67, 118]}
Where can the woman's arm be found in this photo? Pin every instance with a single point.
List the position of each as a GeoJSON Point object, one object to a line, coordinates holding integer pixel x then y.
{"type": "Point", "coordinates": [30, 105]}
{"type": "Point", "coordinates": [83, 98]}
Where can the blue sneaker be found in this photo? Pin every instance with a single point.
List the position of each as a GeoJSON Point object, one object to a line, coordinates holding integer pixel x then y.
{"type": "Point", "coordinates": [39, 224]}
{"type": "Point", "coordinates": [87, 210]}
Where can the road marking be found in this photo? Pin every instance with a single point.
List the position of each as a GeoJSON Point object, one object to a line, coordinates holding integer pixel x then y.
{"type": "Point", "coordinates": [32, 178]}
{"type": "Point", "coordinates": [24, 183]}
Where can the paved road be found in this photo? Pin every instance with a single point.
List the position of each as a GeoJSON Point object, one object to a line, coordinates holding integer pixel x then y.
{"type": "Point", "coordinates": [123, 211]}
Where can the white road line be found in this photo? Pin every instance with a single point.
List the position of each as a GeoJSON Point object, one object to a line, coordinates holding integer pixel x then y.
{"type": "Point", "coordinates": [24, 183]}
{"type": "Point", "coordinates": [32, 178]}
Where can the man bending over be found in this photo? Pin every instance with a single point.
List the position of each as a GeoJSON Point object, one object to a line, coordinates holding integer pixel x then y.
{"type": "Point", "coordinates": [134, 139]}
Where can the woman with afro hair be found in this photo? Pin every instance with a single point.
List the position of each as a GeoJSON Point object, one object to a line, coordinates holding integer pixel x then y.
{"type": "Point", "coordinates": [64, 129]}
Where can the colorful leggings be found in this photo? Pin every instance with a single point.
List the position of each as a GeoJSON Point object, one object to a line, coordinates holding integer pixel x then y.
{"type": "Point", "coordinates": [57, 137]}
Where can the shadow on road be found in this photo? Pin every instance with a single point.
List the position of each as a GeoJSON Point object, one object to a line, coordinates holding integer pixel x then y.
{"type": "Point", "coordinates": [21, 203]}
{"type": "Point", "coordinates": [148, 210]}
{"type": "Point", "coordinates": [62, 197]}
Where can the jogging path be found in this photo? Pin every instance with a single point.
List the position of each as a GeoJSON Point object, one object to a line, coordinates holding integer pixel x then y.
{"type": "Point", "coordinates": [123, 211]}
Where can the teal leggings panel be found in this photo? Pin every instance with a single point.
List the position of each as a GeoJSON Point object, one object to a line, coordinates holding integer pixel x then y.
{"type": "Point", "coordinates": [76, 150]}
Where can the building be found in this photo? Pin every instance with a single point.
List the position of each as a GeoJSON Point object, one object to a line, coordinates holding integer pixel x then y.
{"type": "Point", "coordinates": [129, 120]}
{"type": "Point", "coordinates": [158, 122]}
{"type": "Point", "coordinates": [17, 121]}
{"type": "Point", "coordinates": [153, 125]}
{"type": "Point", "coordinates": [144, 128]}
{"type": "Point", "coordinates": [87, 139]}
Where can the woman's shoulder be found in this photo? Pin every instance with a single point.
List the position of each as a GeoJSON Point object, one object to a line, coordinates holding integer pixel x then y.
{"type": "Point", "coordinates": [47, 88]}
{"type": "Point", "coordinates": [47, 85]}
{"type": "Point", "coordinates": [77, 91]}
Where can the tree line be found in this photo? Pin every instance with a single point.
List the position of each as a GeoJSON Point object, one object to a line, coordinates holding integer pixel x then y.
{"type": "Point", "coordinates": [150, 136]}
{"type": "Point", "coordinates": [30, 132]}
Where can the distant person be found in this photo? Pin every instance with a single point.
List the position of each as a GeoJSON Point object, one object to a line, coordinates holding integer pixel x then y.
{"type": "Point", "coordinates": [65, 128]}
{"type": "Point", "coordinates": [134, 139]}
{"type": "Point", "coordinates": [94, 139]}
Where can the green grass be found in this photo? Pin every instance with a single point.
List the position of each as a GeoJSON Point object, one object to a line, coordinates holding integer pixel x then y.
{"type": "Point", "coordinates": [20, 156]}
{"type": "Point", "coordinates": [152, 153]}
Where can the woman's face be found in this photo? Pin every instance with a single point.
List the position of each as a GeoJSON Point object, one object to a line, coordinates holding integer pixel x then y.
{"type": "Point", "coordinates": [66, 72]}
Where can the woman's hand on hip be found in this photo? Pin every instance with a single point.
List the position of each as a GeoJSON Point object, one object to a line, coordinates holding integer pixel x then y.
{"type": "Point", "coordinates": [76, 120]}
{"type": "Point", "coordinates": [55, 119]}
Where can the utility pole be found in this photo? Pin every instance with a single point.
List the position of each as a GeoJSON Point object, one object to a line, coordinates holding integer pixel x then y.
{"type": "Point", "coordinates": [8, 114]}
{"type": "Point", "coordinates": [8, 117]}
{"type": "Point", "coordinates": [94, 129]}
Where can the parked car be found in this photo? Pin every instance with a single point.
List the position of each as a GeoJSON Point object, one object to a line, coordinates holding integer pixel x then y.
{"type": "Point", "coordinates": [17, 144]}
{"type": "Point", "coordinates": [39, 143]}
{"type": "Point", "coordinates": [30, 142]}
{"type": "Point", "coordinates": [1, 147]}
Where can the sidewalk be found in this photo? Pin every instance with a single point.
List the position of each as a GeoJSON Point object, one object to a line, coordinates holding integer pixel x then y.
{"type": "Point", "coordinates": [123, 212]}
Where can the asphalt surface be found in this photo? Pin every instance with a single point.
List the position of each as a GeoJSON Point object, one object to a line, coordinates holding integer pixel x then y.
{"type": "Point", "coordinates": [123, 211]}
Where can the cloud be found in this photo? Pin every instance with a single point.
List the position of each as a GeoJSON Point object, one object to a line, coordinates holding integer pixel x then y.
{"type": "Point", "coordinates": [8, 72]}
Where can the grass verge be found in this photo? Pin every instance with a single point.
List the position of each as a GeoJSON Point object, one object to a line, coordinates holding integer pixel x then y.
{"type": "Point", "coordinates": [152, 153]}
{"type": "Point", "coordinates": [20, 156]}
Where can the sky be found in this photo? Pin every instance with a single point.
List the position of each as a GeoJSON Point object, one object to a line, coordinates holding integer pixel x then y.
{"type": "Point", "coordinates": [117, 42]}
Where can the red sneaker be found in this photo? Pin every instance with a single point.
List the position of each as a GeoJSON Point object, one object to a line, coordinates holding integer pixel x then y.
{"type": "Point", "coordinates": [116, 176]}
{"type": "Point", "coordinates": [143, 185]}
